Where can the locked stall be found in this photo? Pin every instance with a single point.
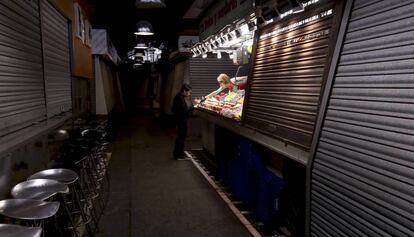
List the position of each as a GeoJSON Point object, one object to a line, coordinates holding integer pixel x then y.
{"type": "Point", "coordinates": [106, 88]}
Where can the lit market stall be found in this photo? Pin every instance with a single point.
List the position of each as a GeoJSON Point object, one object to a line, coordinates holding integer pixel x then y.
{"type": "Point", "coordinates": [284, 51]}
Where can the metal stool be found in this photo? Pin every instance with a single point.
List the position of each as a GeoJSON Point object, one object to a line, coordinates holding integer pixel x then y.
{"type": "Point", "coordinates": [39, 189]}
{"type": "Point", "coordinates": [10, 230]}
{"type": "Point", "coordinates": [70, 178]}
{"type": "Point", "coordinates": [31, 210]}
{"type": "Point", "coordinates": [43, 189]}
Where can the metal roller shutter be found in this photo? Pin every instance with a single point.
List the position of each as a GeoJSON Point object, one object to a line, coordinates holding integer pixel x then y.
{"type": "Point", "coordinates": [56, 60]}
{"type": "Point", "coordinates": [363, 171]}
{"type": "Point", "coordinates": [22, 100]}
{"type": "Point", "coordinates": [204, 72]}
{"type": "Point", "coordinates": [288, 74]}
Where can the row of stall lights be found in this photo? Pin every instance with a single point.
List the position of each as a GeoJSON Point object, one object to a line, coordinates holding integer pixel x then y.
{"type": "Point", "coordinates": [227, 39]}
{"type": "Point", "coordinates": [219, 53]}
{"type": "Point", "coordinates": [224, 40]}
{"type": "Point", "coordinates": [146, 53]}
{"type": "Point", "coordinates": [149, 54]}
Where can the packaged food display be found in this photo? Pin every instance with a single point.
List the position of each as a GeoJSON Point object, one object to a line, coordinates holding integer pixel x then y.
{"type": "Point", "coordinates": [227, 103]}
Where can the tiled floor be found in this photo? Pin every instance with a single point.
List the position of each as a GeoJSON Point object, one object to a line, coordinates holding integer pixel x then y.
{"type": "Point", "coordinates": [154, 195]}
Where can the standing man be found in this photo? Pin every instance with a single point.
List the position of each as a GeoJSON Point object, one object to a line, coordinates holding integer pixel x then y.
{"type": "Point", "coordinates": [182, 108]}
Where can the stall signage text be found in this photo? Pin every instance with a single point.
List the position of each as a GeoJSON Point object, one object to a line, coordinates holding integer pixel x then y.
{"type": "Point", "coordinates": [297, 24]}
{"type": "Point", "coordinates": [296, 40]}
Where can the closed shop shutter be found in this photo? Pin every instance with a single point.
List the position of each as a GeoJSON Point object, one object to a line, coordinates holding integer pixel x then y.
{"type": "Point", "coordinates": [288, 72]}
{"type": "Point", "coordinates": [22, 100]}
{"type": "Point", "coordinates": [363, 171]}
{"type": "Point", "coordinates": [56, 60]}
{"type": "Point", "coordinates": [204, 72]}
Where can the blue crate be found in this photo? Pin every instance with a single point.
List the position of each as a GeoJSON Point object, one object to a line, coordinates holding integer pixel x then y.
{"type": "Point", "coordinates": [270, 188]}
{"type": "Point", "coordinates": [235, 178]}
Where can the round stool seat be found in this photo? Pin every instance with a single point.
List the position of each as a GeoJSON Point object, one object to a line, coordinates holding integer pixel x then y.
{"type": "Point", "coordinates": [65, 176]}
{"type": "Point", "coordinates": [9, 230]}
{"type": "Point", "coordinates": [28, 209]}
{"type": "Point", "coordinates": [39, 189]}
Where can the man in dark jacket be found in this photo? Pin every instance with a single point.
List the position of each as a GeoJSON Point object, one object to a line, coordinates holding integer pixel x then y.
{"type": "Point", "coordinates": [182, 108]}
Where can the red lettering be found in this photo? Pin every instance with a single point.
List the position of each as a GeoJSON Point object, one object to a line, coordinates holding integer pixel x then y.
{"type": "Point", "coordinates": [234, 4]}
{"type": "Point", "coordinates": [227, 8]}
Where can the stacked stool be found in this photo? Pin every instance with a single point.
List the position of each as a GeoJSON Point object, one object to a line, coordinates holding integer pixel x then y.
{"type": "Point", "coordinates": [10, 230]}
{"type": "Point", "coordinates": [73, 196]}
{"type": "Point", "coordinates": [79, 199]}
{"type": "Point", "coordinates": [33, 212]}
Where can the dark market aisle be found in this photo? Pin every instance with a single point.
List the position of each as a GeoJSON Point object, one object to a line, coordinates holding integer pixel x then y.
{"type": "Point", "coordinates": [154, 195]}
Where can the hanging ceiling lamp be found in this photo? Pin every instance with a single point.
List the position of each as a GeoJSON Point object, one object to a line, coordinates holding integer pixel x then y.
{"type": "Point", "coordinates": [139, 55]}
{"type": "Point", "coordinates": [149, 3]}
{"type": "Point", "coordinates": [144, 28]}
{"type": "Point", "coordinates": [141, 46]}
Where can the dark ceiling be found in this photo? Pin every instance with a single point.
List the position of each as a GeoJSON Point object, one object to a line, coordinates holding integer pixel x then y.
{"type": "Point", "coordinates": [120, 18]}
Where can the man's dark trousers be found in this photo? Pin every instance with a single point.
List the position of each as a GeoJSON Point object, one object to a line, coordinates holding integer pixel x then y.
{"type": "Point", "coordinates": [179, 141]}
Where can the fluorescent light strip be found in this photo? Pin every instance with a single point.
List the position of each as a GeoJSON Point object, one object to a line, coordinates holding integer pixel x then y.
{"type": "Point", "coordinates": [308, 3]}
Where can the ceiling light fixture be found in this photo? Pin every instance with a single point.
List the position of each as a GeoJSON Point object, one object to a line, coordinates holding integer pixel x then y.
{"type": "Point", "coordinates": [205, 49]}
{"type": "Point", "coordinates": [216, 44]}
{"type": "Point", "coordinates": [141, 46]}
{"type": "Point", "coordinates": [149, 3]}
{"type": "Point", "coordinates": [140, 55]}
{"type": "Point", "coordinates": [209, 46]}
{"type": "Point", "coordinates": [144, 28]}
{"type": "Point", "coordinates": [229, 37]}
{"type": "Point", "coordinates": [238, 33]}
{"type": "Point", "coordinates": [223, 40]}
{"type": "Point", "coordinates": [251, 25]}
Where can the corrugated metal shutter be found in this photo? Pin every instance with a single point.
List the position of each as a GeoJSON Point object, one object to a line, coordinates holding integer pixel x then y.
{"type": "Point", "coordinates": [204, 72]}
{"type": "Point", "coordinates": [287, 76]}
{"type": "Point", "coordinates": [56, 60]}
{"type": "Point", "coordinates": [363, 170]}
{"type": "Point", "coordinates": [21, 79]}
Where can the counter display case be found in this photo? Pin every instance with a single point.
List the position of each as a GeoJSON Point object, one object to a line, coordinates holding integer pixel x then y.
{"type": "Point", "coordinates": [227, 101]}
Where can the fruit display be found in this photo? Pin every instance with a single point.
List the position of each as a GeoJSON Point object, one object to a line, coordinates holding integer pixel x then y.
{"type": "Point", "coordinates": [226, 104]}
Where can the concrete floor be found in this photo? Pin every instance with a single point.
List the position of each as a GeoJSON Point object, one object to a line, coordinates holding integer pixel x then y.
{"type": "Point", "coordinates": [153, 195]}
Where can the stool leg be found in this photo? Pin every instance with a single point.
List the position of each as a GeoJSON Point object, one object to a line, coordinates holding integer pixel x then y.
{"type": "Point", "coordinates": [56, 224]}
{"type": "Point", "coordinates": [84, 185]}
{"type": "Point", "coordinates": [42, 225]}
{"type": "Point", "coordinates": [82, 211]}
{"type": "Point", "coordinates": [93, 179]}
{"type": "Point", "coordinates": [69, 214]}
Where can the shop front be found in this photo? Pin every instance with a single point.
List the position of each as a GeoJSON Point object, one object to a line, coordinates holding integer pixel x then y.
{"type": "Point", "coordinates": [262, 120]}
{"type": "Point", "coordinates": [281, 71]}
{"type": "Point", "coordinates": [106, 89]}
